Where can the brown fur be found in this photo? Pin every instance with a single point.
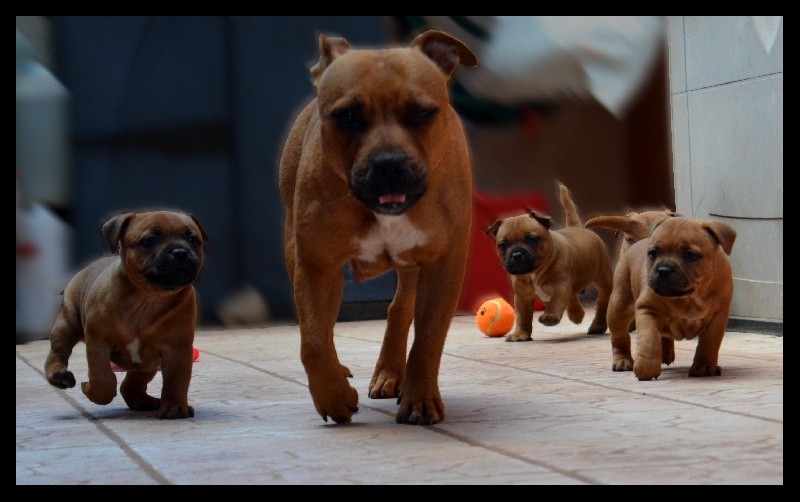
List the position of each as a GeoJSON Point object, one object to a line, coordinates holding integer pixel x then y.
{"type": "Point", "coordinates": [136, 309]}
{"type": "Point", "coordinates": [553, 266]}
{"type": "Point", "coordinates": [634, 226]}
{"type": "Point", "coordinates": [677, 284]}
{"type": "Point", "coordinates": [380, 125]}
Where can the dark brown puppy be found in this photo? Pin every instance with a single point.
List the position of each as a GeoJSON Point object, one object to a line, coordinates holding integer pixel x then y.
{"type": "Point", "coordinates": [136, 309]}
{"type": "Point", "coordinates": [553, 266]}
{"type": "Point", "coordinates": [376, 173]}
{"type": "Point", "coordinates": [677, 284]}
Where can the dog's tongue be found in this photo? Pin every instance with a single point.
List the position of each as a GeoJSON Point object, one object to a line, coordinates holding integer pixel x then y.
{"type": "Point", "coordinates": [391, 198]}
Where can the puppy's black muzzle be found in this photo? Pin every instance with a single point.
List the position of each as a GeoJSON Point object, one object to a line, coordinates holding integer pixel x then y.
{"type": "Point", "coordinates": [175, 267]}
{"type": "Point", "coordinates": [520, 261]}
{"type": "Point", "coordinates": [667, 280]}
{"type": "Point", "coordinates": [390, 183]}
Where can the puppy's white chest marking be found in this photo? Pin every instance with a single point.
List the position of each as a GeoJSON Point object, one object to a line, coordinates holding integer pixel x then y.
{"type": "Point", "coordinates": [393, 234]}
{"type": "Point", "coordinates": [133, 348]}
{"type": "Point", "coordinates": [539, 291]}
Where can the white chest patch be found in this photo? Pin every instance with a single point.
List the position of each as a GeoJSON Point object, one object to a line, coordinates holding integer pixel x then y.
{"type": "Point", "coordinates": [133, 348]}
{"type": "Point", "coordinates": [393, 234]}
{"type": "Point", "coordinates": [539, 291]}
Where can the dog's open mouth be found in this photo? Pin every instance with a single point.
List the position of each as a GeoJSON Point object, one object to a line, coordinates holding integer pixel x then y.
{"type": "Point", "coordinates": [389, 183]}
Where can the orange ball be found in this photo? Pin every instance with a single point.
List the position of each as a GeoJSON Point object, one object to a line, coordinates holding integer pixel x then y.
{"type": "Point", "coordinates": [495, 317]}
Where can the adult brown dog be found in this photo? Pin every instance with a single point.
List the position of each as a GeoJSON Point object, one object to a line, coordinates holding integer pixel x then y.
{"type": "Point", "coordinates": [376, 172]}
{"type": "Point", "coordinates": [553, 266]}
{"type": "Point", "coordinates": [137, 309]}
{"type": "Point", "coordinates": [677, 284]}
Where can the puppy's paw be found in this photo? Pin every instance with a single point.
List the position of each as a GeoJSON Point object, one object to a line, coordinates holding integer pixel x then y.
{"type": "Point", "coordinates": [646, 370]}
{"type": "Point", "coordinates": [549, 319]}
{"type": "Point", "coordinates": [597, 327]}
{"type": "Point", "coordinates": [703, 370]}
{"type": "Point", "coordinates": [100, 394]}
{"type": "Point", "coordinates": [518, 336]}
{"type": "Point", "coordinates": [63, 379]}
{"type": "Point", "coordinates": [622, 364]}
{"type": "Point", "coordinates": [175, 411]}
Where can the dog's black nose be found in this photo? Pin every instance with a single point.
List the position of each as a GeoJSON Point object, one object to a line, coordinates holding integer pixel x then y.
{"type": "Point", "coordinates": [664, 271]}
{"type": "Point", "coordinates": [179, 253]}
{"type": "Point", "coordinates": [517, 255]}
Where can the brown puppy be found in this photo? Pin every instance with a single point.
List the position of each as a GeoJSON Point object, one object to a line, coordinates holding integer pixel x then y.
{"type": "Point", "coordinates": [136, 309]}
{"type": "Point", "coordinates": [634, 226]}
{"type": "Point", "coordinates": [677, 284]}
{"type": "Point", "coordinates": [553, 266]}
{"type": "Point", "coordinates": [376, 173]}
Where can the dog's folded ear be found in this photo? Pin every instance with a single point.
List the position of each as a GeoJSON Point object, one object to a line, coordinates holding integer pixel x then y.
{"type": "Point", "coordinates": [445, 50]}
{"type": "Point", "coordinates": [114, 229]}
{"type": "Point", "coordinates": [329, 49]}
{"type": "Point", "coordinates": [493, 228]}
{"type": "Point", "coordinates": [721, 232]}
{"type": "Point", "coordinates": [541, 218]}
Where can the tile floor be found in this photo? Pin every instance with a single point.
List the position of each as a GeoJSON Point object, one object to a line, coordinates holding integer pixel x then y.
{"type": "Point", "coordinates": [549, 411]}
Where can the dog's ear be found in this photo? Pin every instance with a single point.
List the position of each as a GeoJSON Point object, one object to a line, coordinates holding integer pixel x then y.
{"type": "Point", "coordinates": [203, 233]}
{"type": "Point", "coordinates": [721, 232]}
{"type": "Point", "coordinates": [329, 49]}
{"type": "Point", "coordinates": [493, 228]}
{"type": "Point", "coordinates": [541, 218]}
{"type": "Point", "coordinates": [114, 230]}
{"type": "Point", "coordinates": [445, 50]}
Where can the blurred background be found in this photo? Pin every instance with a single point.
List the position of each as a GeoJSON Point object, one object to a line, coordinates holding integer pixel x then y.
{"type": "Point", "coordinates": [121, 113]}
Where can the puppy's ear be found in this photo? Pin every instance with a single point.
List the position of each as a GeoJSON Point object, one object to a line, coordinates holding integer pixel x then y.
{"type": "Point", "coordinates": [114, 230]}
{"type": "Point", "coordinates": [541, 218]}
{"type": "Point", "coordinates": [721, 232]}
{"type": "Point", "coordinates": [445, 50]}
{"type": "Point", "coordinates": [493, 228]}
{"type": "Point", "coordinates": [203, 233]}
{"type": "Point", "coordinates": [329, 49]}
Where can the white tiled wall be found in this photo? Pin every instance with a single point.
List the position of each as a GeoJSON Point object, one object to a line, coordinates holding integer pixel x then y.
{"type": "Point", "coordinates": [726, 93]}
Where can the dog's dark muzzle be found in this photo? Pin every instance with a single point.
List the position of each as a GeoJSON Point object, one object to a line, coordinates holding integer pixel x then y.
{"type": "Point", "coordinates": [520, 261]}
{"type": "Point", "coordinates": [668, 281]}
{"type": "Point", "coordinates": [175, 267]}
{"type": "Point", "coordinates": [390, 183]}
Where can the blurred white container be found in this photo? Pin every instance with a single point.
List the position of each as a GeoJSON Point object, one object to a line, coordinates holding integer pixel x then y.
{"type": "Point", "coordinates": [43, 243]}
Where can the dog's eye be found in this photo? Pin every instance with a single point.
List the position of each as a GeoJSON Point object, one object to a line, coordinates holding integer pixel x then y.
{"type": "Point", "coordinates": [502, 246]}
{"type": "Point", "coordinates": [149, 241]}
{"type": "Point", "coordinates": [532, 240]}
{"type": "Point", "coordinates": [690, 257]}
{"type": "Point", "coordinates": [420, 116]}
{"type": "Point", "coordinates": [348, 119]}
{"type": "Point", "coordinates": [652, 254]}
{"type": "Point", "coordinates": [195, 241]}
{"type": "Point", "coordinates": [630, 241]}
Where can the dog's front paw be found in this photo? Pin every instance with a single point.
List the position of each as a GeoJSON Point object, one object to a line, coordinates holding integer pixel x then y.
{"type": "Point", "coordinates": [703, 370]}
{"type": "Point", "coordinates": [385, 384]}
{"type": "Point", "coordinates": [622, 364]}
{"type": "Point", "coordinates": [172, 411]}
{"type": "Point", "coordinates": [647, 370]}
{"type": "Point", "coordinates": [549, 319]}
{"type": "Point", "coordinates": [423, 410]}
{"type": "Point", "coordinates": [334, 398]}
{"type": "Point", "coordinates": [518, 336]}
{"type": "Point", "coordinates": [100, 394]}
{"type": "Point", "coordinates": [63, 379]}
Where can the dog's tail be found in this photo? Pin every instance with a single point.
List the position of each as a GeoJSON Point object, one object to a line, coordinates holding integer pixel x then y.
{"type": "Point", "coordinates": [569, 208]}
